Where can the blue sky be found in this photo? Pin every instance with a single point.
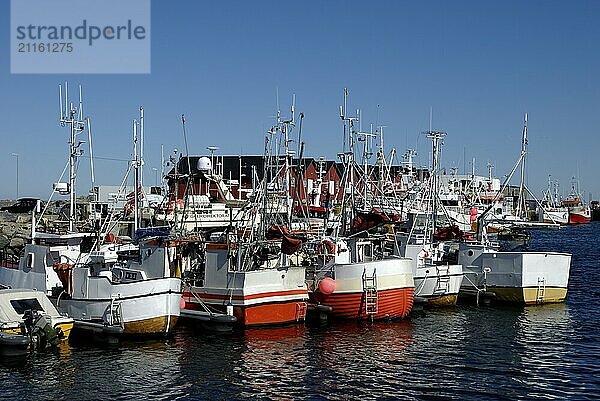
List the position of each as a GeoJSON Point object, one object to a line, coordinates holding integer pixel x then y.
{"type": "Point", "coordinates": [478, 65]}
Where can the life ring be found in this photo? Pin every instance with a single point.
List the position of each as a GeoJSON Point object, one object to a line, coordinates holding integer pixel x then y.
{"type": "Point", "coordinates": [326, 250]}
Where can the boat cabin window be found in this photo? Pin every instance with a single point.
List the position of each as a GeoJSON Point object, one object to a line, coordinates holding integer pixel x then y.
{"type": "Point", "coordinates": [365, 252]}
{"type": "Point", "coordinates": [30, 260]}
{"type": "Point", "coordinates": [21, 305]}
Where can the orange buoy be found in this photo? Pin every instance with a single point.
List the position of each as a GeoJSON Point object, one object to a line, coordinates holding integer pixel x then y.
{"type": "Point", "coordinates": [327, 285]}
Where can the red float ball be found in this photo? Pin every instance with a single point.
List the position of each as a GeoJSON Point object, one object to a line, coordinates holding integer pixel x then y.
{"type": "Point", "coordinates": [327, 285]}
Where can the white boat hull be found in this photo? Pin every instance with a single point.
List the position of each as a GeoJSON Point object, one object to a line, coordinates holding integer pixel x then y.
{"type": "Point", "coordinates": [257, 297]}
{"type": "Point", "coordinates": [141, 307]}
{"type": "Point", "coordinates": [439, 284]}
{"type": "Point", "coordinates": [516, 277]}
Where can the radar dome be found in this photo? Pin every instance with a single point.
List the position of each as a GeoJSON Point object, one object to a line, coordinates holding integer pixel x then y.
{"type": "Point", "coordinates": [204, 164]}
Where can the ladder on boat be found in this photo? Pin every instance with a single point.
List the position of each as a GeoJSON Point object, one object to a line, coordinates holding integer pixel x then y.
{"type": "Point", "coordinates": [442, 285]}
{"type": "Point", "coordinates": [541, 290]}
{"type": "Point", "coordinates": [115, 313]}
{"type": "Point", "coordinates": [370, 291]}
{"type": "Point", "coordinates": [301, 311]}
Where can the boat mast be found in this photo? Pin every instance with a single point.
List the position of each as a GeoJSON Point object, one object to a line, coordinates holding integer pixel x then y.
{"type": "Point", "coordinates": [162, 166]}
{"type": "Point", "coordinates": [141, 147]}
{"type": "Point", "coordinates": [521, 206]}
{"type": "Point", "coordinates": [436, 139]}
{"type": "Point", "coordinates": [136, 178]}
{"type": "Point", "coordinates": [481, 232]}
{"type": "Point", "coordinates": [72, 116]}
{"type": "Point", "coordinates": [367, 154]}
{"type": "Point", "coordinates": [348, 123]}
{"type": "Point", "coordinates": [286, 124]}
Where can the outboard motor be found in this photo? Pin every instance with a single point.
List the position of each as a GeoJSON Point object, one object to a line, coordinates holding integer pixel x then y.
{"type": "Point", "coordinates": [39, 329]}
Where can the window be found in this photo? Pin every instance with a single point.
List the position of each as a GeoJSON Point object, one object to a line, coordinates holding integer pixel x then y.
{"type": "Point", "coordinates": [30, 260]}
{"type": "Point", "coordinates": [21, 305]}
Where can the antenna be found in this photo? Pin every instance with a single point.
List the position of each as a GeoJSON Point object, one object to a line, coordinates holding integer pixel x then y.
{"type": "Point", "coordinates": [430, 119]}
{"type": "Point", "coordinates": [142, 147]}
{"type": "Point", "coordinates": [80, 115]}
{"type": "Point", "coordinates": [490, 167]}
{"type": "Point", "coordinates": [66, 100]}
{"type": "Point", "coordinates": [187, 152]}
{"type": "Point", "coordinates": [60, 103]}
{"type": "Point", "coordinates": [346, 93]}
{"type": "Point", "coordinates": [277, 99]}
{"type": "Point", "coordinates": [293, 107]}
{"type": "Point", "coordinates": [212, 150]}
{"type": "Point", "coordinates": [359, 114]}
{"type": "Point", "coordinates": [89, 127]}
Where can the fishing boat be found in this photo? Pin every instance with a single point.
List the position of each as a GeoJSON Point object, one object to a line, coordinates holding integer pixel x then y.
{"type": "Point", "coordinates": [107, 288]}
{"type": "Point", "coordinates": [579, 213]}
{"type": "Point", "coordinates": [550, 209]}
{"type": "Point", "coordinates": [250, 281]}
{"type": "Point", "coordinates": [520, 277]}
{"type": "Point", "coordinates": [437, 281]}
{"type": "Point", "coordinates": [524, 278]}
{"type": "Point", "coordinates": [357, 282]}
{"type": "Point", "coordinates": [558, 215]}
{"type": "Point", "coordinates": [255, 273]}
{"type": "Point", "coordinates": [28, 320]}
{"type": "Point", "coordinates": [356, 274]}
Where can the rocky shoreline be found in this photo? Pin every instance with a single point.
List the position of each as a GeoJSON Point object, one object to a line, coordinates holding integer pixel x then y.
{"type": "Point", "coordinates": [15, 229]}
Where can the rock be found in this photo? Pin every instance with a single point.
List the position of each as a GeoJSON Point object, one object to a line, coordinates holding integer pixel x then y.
{"type": "Point", "coordinates": [4, 241]}
{"type": "Point", "coordinates": [8, 217]}
{"type": "Point", "coordinates": [23, 218]}
{"type": "Point", "coordinates": [17, 242]}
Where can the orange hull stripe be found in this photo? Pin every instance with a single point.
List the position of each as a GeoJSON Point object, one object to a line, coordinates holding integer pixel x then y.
{"type": "Point", "coordinates": [395, 303]}
{"type": "Point", "coordinates": [262, 314]}
{"type": "Point", "coordinates": [268, 313]}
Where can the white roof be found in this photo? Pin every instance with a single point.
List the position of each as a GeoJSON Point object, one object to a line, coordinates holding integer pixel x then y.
{"type": "Point", "coordinates": [9, 314]}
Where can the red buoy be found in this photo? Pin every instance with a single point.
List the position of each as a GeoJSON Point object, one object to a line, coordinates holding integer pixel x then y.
{"type": "Point", "coordinates": [327, 285]}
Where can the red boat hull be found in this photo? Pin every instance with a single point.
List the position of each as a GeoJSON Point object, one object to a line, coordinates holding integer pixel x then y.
{"type": "Point", "coordinates": [392, 303]}
{"type": "Point", "coordinates": [265, 312]}
{"type": "Point", "coordinates": [577, 218]}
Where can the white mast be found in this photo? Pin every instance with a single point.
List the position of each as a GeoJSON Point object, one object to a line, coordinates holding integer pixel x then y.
{"type": "Point", "coordinates": [490, 167]}
{"type": "Point", "coordinates": [136, 178]}
{"type": "Point", "coordinates": [162, 165]}
{"type": "Point", "coordinates": [142, 148]}
{"type": "Point", "coordinates": [348, 123]}
{"type": "Point", "coordinates": [89, 127]}
{"type": "Point", "coordinates": [521, 205]}
{"type": "Point", "coordinates": [436, 139]}
{"type": "Point", "coordinates": [72, 116]}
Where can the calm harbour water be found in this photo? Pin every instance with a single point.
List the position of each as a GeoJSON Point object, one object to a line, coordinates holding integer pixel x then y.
{"type": "Point", "coordinates": [464, 352]}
